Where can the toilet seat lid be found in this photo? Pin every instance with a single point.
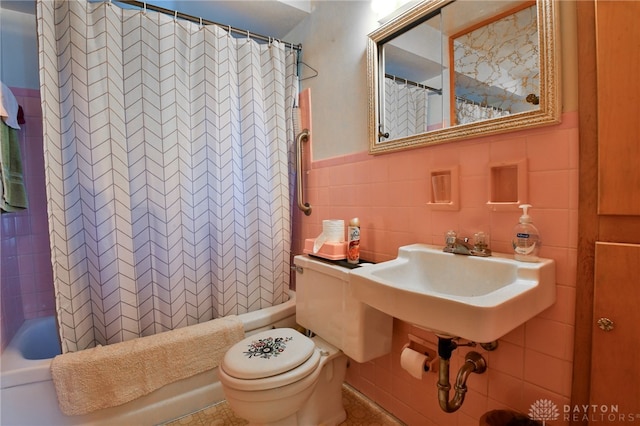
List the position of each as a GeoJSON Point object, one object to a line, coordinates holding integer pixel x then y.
{"type": "Point", "coordinates": [268, 353]}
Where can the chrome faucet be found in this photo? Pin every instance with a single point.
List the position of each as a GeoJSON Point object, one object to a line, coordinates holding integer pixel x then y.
{"type": "Point", "coordinates": [456, 245]}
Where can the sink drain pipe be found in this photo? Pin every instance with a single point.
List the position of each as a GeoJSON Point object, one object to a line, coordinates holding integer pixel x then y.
{"type": "Point", "coordinates": [474, 363]}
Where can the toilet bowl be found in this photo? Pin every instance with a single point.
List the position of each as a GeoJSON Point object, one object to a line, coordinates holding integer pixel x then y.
{"type": "Point", "coordinates": [282, 377]}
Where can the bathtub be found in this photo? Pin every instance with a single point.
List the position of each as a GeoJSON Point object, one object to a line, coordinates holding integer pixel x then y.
{"type": "Point", "coordinates": [28, 396]}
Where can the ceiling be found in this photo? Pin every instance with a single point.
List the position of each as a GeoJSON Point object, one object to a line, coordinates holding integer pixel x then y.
{"type": "Point", "coordinates": [273, 18]}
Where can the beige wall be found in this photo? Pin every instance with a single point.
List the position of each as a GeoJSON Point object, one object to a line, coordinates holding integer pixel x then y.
{"type": "Point", "coordinates": [334, 42]}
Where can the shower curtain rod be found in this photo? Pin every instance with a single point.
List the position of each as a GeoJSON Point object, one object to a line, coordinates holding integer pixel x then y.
{"type": "Point", "coordinates": [412, 83]}
{"type": "Point", "coordinates": [202, 21]}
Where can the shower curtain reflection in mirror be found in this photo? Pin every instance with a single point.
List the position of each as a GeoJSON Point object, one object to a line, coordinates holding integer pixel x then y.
{"type": "Point", "coordinates": [167, 150]}
{"type": "Point", "coordinates": [406, 108]}
{"type": "Point", "coordinates": [469, 112]}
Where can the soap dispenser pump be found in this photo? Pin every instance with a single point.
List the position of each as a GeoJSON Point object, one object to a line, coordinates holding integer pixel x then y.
{"type": "Point", "coordinates": [526, 238]}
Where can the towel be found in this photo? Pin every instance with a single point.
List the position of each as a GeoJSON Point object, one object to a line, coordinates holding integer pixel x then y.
{"type": "Point", "coordinates": [107, 376]}
{"type": "Point", "coordinates": [8, 107]}
{"type": "Point", "coordinates": [13, 195]}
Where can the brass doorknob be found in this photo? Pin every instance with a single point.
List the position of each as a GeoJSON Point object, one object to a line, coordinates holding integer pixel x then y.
{"type": "Point", "coordinates": [605, 324]}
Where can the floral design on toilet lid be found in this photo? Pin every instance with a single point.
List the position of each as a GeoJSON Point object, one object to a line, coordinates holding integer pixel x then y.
{"type": "Point", "coordinates": [267, 354]}
{"type": "Point", "coordinates": [267, 347]}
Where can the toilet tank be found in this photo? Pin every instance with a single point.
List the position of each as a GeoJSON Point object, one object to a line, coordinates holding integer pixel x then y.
{"type": "Point", "coordinates": [325, 306]}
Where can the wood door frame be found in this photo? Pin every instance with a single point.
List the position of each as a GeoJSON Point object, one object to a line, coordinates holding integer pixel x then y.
{"type": "Point", "coordinates": [587, 202]}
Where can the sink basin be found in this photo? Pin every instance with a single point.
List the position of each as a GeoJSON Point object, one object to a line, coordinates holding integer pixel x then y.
{"type": "Point", "coordinates": [476, 298]}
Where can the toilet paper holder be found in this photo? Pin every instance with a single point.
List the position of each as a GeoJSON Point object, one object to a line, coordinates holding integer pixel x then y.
{"type": "Point", "coordinates": [427, 348]}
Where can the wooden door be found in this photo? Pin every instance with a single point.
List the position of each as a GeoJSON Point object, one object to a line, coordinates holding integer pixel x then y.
{"type": "Point", "coordinates": [606, 372]}
{"type": "Point", "coordinates": [615, 370]}
{"type": "Point", "coordinates": [618, 75]}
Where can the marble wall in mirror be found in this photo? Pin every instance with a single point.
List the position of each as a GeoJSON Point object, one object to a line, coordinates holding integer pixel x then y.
{"type": "Point", "coordinates": [494, 65]}
{"type": "Point", "coordinates": [448, 70]}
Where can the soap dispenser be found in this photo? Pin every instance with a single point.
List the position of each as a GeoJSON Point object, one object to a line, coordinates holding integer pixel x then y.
{"type": "Point", "coordinates": [526, 239]}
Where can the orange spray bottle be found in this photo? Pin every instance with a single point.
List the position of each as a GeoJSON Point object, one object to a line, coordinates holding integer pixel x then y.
{"type": "Point", "coordinates": [353, 248]}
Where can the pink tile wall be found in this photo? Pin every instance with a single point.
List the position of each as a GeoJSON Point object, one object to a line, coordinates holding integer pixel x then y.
{"type": "Point", "coordinates": [27, 278]}
{"type": "Point", "coordinates": [389, 194]}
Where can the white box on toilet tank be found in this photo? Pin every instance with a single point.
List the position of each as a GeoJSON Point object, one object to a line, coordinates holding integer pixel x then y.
{"type": "Point", "coordinates": [325, 306]}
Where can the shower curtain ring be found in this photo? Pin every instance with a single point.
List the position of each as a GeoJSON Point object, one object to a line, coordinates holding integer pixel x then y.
{"type": "Point", "coordinates": [201, 22]}
{"type": "Point", "coordinates": [175, 16]}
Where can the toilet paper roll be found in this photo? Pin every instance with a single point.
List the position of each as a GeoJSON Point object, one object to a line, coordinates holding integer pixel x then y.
{"type": "Point", "coordinates": [333, 230]}
{"type": "Point", "coordinates": [414, 362]}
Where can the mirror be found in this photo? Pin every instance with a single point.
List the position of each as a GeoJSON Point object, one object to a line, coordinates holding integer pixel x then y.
{"type": "Point", "coordinates": [447, 70]}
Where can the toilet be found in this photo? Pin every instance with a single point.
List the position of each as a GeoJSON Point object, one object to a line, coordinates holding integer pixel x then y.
{"type": "Point", "coordinates": [281, 376]}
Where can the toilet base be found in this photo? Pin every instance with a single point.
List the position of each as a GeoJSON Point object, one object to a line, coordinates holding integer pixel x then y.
{"type": "Point", "coordinates": [324, 406]}
{"type": "Point", "coordinates": [325, 403]}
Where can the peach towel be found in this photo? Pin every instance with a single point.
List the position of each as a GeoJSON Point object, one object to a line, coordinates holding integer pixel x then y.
{"type": "Point", "coordinates": [107, 376]}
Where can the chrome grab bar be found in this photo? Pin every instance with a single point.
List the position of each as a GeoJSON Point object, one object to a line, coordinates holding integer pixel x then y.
{"type": "Point", "coordinates": [302, 137]}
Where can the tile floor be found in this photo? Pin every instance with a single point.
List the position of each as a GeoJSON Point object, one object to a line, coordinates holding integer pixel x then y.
{"type": "Point", "coordinates": [360, 412]}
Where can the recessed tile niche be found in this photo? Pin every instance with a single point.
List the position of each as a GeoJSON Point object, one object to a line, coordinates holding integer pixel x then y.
{"type": "Point", "coordinates": [508, 185]}
{"type": "Point", "coordinates": [444, 189]}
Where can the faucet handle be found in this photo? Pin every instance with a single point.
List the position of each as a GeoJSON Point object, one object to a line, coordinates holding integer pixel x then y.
{"type": "Point", "coordinates": [480, 239]}
{"type": "Point", "coordinates": [450, 238]}
{"type": "Point", "coordinates": [480, 246]}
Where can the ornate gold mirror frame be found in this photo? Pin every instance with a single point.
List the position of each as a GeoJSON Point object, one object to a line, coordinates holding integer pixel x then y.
{"type": "Point", "coordinates": [549, 111]}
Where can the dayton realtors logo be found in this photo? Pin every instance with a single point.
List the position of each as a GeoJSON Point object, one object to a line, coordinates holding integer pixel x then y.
{"type": "Point", "coordinates": [545, 410]}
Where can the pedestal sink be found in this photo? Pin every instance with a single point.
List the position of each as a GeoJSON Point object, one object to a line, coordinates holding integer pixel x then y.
{"type": "Point", "coordinates": [477, 298]}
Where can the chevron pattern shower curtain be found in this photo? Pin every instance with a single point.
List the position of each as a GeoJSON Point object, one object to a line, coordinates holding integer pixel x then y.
{"type": "Point", "coordinates": [405, 109]}
{"type": "Point", "coordinates": [167, 149]}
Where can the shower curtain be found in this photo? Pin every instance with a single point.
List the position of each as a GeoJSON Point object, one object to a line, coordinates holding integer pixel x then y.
{"type": "Point", "coordinates": [406, 109]}
{"type": "Point", "coordinates": [468, 112]}
{"type": "Point", "coordinates": [167, 152]}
